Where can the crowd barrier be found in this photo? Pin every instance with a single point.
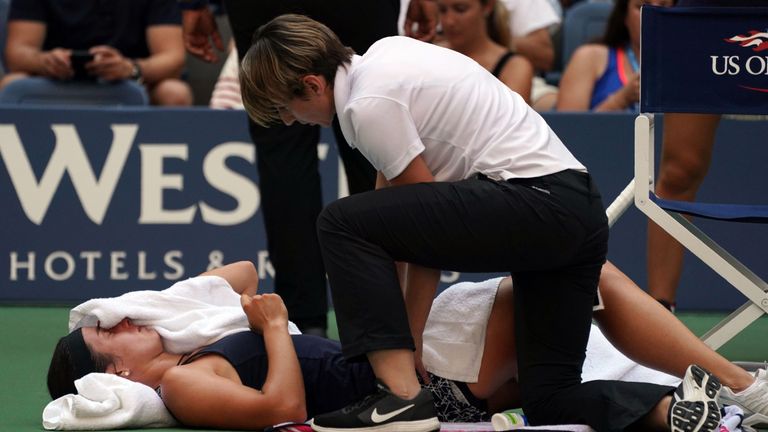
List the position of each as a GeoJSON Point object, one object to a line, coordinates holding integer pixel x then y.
{"type": "Point", "coordinates": [97, 202]}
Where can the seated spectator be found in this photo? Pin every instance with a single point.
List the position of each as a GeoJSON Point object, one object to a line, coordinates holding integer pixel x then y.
{"type": "Point", "coordinates": [125, 39]}
{"type": "Point", "coordinates": [532, 23]}
{"type": "Point", "coordinates": [479, 29]}
{"type": "Point", "coordinates": [605, 76]}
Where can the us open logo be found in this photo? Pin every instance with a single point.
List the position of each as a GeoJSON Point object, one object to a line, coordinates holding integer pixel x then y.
{"type": "Point", "coordinates": [754, 65]}
{"type": "Point", "coordinates": [756, 40]}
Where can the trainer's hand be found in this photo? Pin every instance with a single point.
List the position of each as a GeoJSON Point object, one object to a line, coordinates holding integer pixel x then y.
{"type": "Point", "coordinates": [422, 14]}
{"type": "Point", "coordinates": [265, 311]}
{"type": "Point", "coordinates": [199, 30]}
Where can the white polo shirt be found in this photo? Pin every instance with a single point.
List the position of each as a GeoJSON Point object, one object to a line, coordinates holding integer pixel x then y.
{"type": "Point", "coordinates": [405, 98]}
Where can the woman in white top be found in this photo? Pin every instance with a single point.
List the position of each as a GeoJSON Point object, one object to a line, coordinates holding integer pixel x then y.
{"type": "Point", "coordinates": [479, 29]}
{"type": "Point", "coordinates": [470, 178]}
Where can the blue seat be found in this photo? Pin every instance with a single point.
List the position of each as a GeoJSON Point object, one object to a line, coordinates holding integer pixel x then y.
{"type": "Point", "coordinates": [716, 74]}
{"type": "Point", "coordinates": [583, 23]}
{"type": "Point", "coordinates": [43, 91]}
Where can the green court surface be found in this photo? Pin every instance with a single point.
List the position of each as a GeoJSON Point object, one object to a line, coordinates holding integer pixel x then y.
{"type": "Point", "coordinates": [28, 334]}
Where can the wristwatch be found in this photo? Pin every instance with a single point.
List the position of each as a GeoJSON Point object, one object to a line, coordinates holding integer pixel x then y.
{"type": "Point", "coordinates": [136, 72]}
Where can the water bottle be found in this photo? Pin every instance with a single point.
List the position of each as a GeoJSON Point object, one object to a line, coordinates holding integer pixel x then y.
{"type": "Point", "coordinates": [508, 420]}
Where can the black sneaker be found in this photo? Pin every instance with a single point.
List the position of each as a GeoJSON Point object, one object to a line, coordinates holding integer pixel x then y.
{"type": "Point", "coordinates": [382, 412]}
{"type": "Point", "coordinates": [694, 405]}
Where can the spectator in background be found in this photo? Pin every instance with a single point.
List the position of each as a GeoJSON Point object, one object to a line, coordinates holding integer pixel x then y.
{"type": "Point", "coordinates": [530, 22]}
{"type": "Point", "coordinates": [605, 76]}
{"type": "Point", "coordinates": [479, 29]}
{"type": "Point", "coordinates": [127, 39]}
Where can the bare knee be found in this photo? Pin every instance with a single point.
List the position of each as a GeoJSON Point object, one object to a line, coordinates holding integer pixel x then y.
{"type": "Point", "coordinates": [11, 77]}
{"type": "Point", "coordinates": [681, 177]}
{"type": "Point", "coordinates": [171, 92]}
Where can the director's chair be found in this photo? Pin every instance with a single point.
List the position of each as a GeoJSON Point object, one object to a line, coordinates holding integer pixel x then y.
{"type": "Point", "coordinates": [699, 60]}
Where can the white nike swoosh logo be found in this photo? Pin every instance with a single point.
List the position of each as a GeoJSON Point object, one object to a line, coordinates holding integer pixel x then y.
{"type": "Point", "coordinates": [378, 418]}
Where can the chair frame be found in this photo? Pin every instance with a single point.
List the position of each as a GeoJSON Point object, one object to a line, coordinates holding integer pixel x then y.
{"type": "Point", "coordinates": [696, 241]}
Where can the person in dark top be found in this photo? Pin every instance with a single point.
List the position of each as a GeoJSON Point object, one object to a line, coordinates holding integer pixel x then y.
{"type": "Point", "coordinates": [115, 40]}
{"type": "Point", "coordinates": [250, 380]}
{"type": "Point", "coordinates": [287, 157]}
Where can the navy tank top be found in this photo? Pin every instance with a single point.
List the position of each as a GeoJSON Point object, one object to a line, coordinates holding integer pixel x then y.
{"type": "Point", "coordinates": [330, 382]}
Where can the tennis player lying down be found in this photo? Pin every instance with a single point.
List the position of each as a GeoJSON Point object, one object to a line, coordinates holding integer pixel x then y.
{"type": "Point", "coordinates": [254, 379]}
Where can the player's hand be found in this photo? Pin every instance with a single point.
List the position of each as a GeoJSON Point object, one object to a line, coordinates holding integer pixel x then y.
{"type": "Point", "coordinates": [265, 311]}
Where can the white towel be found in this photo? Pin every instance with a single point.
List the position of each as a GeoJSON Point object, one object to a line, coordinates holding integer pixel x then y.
{"type": "Point", "coordinates": [190, 314]}
{"type": "Point", "coordinates": [605, 362]}
{"type": "Point", "coordinates": [106, 401]}
{"type": "Point", "coordinates": [454, 336]}
{"type": "Point", "coordinates": [454, 340]}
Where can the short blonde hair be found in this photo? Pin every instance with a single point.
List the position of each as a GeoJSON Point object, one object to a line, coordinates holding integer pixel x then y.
{"type": "Point", "coordinates": [283, 51]}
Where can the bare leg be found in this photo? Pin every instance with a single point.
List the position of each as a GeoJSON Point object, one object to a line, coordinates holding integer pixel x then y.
{"type": "Point", "coordinates": [634, 321]}
{"type": "Point", "coordinates": [498, 371]}
{"type": "Point", "coordinates": [685, 159]}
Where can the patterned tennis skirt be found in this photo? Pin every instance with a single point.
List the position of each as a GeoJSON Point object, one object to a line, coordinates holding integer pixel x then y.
{"type": "Point", "coordinates": [455, 403]}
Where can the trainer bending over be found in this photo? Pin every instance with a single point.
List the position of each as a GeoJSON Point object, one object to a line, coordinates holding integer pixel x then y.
{"type": "Point", "coordinates": [470, 179]}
